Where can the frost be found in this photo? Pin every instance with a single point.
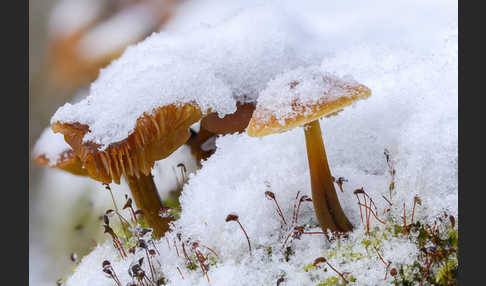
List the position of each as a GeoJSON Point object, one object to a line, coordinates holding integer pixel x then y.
{"type": "Point", "coordinates": [50, 145]}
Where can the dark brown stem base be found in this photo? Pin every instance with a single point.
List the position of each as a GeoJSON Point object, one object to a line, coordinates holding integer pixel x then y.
{"type": "Point", "coordinates": [326, 203]}
{"type": "Point", "coordinates": [147, 199]}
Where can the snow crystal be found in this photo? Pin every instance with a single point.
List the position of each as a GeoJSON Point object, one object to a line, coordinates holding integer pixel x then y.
{"type": "Point", "coordinates": [303, 86]}
{"type": "Point", "coordinates": [51, 145]}
{"type": "Point", "coordinates": [213, 66]}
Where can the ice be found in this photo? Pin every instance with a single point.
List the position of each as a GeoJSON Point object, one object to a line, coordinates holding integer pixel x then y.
{"type": "Point", "coordinates": [50, 145]}
{"type": "Point", "coordinates": [213, 66]}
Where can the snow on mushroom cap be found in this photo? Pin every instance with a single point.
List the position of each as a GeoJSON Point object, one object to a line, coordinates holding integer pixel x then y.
{"type": "Point", "coordinates": [112, 109]}
{"type": "Point", "coordinates": [302, 95]}
{"type": "Point", "coordinates": [211, 66]}
{"type": "Point", "coordinates": [51, 146]}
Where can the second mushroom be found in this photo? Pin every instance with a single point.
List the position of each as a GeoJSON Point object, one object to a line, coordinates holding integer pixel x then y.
{"type": "Point", "coordinates": [299, 98]}
{"type": "Point", "coordinates": [155, 137]}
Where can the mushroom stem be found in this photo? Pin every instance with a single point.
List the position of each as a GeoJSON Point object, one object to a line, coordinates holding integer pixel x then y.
{"type": "Point", "coordinates": [326, 203]}
{"type": "Point", "coordinates": [196, 142]}
{"type": "Point", "coordinates": [147, 199]}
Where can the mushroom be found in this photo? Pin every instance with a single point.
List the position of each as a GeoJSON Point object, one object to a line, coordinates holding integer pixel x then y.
{"type": "Point", "coordinates": [155, 137]}
{"type": "Point", "coordinates": [51, 150]}
{"type": "Point", "coordinates": [212, 125]}
{"type": "Point", "coordinates": [235, 122]}
{"type": "Point", "coordinates": [299, 98]}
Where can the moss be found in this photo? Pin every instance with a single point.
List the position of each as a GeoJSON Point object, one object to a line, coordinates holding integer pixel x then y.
{"type": "Point", "coordinates": [447, 272]}
{"type": "Point", "coordinates": [288, 253]}
{"type": "Point", "coordinates": [161, 281]}
{"type": "Point", "coordinates": [329, 281]}
{"type": "Point", "coordinates": [309, 267]}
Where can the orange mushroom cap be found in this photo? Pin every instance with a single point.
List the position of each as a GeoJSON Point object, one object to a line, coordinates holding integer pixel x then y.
{"type": "Point", "coordinates": [155, 137]}
{"type": "Point", "coordinates": [266, 120]}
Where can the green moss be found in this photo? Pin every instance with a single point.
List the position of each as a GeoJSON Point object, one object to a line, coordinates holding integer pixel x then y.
{"type": "Point", "coordinates": [447, 272]}
{"type": "Point", "coordinates": [329, 281]}
{"type": "Point", "coordinates": [161, 281]}
{"type": "Point", "coordinates": [309, 267]}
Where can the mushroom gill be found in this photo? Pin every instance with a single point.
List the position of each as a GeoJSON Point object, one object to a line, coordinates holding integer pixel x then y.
{"type": "Point", "coordinates": [155, 137]}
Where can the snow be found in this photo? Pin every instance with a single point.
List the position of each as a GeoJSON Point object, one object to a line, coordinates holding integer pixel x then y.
{"type": "Point", "coordinates": [213, 66]}
{"type": "Point", "coordinates": [115, 33]}
{"type": "Point", "coordinates": [50, 145]}
{"type": "Point", "coordinates": [405, 52]}
{"type": "Point", "coordinates": [305, 87]}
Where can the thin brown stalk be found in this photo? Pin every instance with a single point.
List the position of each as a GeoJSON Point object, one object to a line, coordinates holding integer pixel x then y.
{"type": "Point", "coordinates": [360, 210]}
{"type": "Point", "coordinates": [387, 200]}
{"type": "Point", "coordinates": [381, 257]}
{"type": "Point", "coordinates": [285, 241]}
{"type": "Point", "coordinates": [120, 217]}
{"type": "Point", "coordinates": [373, 213]}
{"type": "Point", "coordinates": [151, 267]}
{"type": "Point", "coordinates": [214, 252]}
{"type": "Point", "coordinates": [247, 238]}
{"type": "Point", "coordinates": [339, 273]}
{"type": "Point", "coordinates": [386, 270]}
{"type": "Point", "coordinates": [180, 272]}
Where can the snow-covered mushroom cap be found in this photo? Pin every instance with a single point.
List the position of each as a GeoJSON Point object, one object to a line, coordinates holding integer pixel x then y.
{"type": "Point", "coordinates": [301, 96]}
{"type": "Point", "coordinates": [51, 150]}
{"type": "Point", "coordinates": [156, 136]}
